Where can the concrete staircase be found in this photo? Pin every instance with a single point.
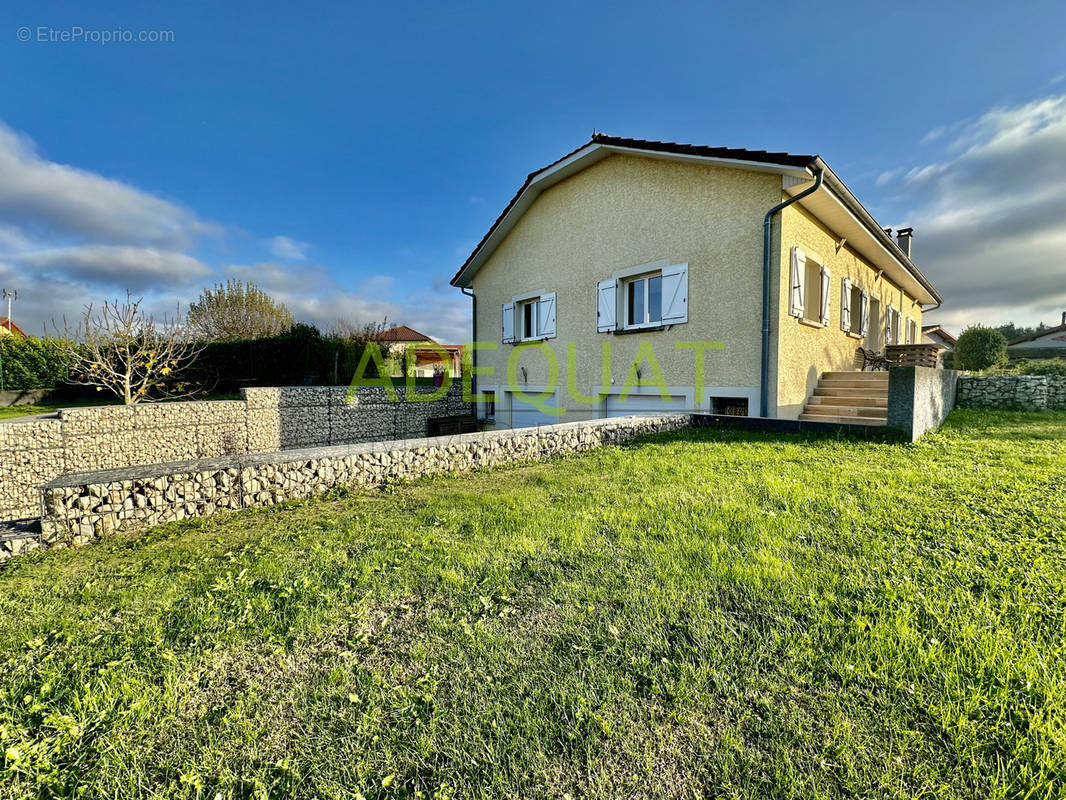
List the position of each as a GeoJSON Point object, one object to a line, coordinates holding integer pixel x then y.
{"type": "Point", "coordinates": [860, 398]}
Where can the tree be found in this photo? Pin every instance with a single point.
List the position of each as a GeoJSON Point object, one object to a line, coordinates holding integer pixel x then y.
{"type": "Point", "coordinates": [122, 349]}
{"type": "Point", "coordinates": [980, 348]}
{"type": "Point", "coordinates": [237, 310]}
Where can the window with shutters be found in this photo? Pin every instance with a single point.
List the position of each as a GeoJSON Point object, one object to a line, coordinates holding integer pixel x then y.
{"type": "Point", "coordinates": [529, 317]}
{"type": "Point", "coordinates": [640, 298]}
{"type": "Point", "coordinates": [815, 288]}
{"type": "Point", "coordinates": [856, 309]}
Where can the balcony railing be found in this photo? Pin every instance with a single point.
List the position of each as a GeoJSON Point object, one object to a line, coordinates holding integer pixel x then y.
{"type": "Point", "coordinates": [912, 355]}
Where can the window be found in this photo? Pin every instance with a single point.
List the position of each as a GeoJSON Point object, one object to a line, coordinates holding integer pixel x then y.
{"type": "Point", "coordinates": [529, 313]}
{"type": "Point", "coordinates": [855, 307]}
{"type": "Point", "coordinates": [809, 289]}
{"type": "Point", "coordinates": [644, 300]}
{"type": "Point", "coordinates": [528, 317]}
{"type": "Point", "coordinates": [912, 331]}
{"type": "Point", "coordinates": [730, 406]}
{"type": "Point", "coordinates": [851, 308]}
{"type": "Point", "coordinates": [639, 298]}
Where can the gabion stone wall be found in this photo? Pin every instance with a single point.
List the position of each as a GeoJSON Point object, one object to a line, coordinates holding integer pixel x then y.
{"type": "Point", "coordinates": [31, 454]}
{"type": "Point", "coordinates": [81, 508]}
{"type": "Point", "coordinates": [1014, 392]}
{"type": "Point", "coordinates": [266, 420]}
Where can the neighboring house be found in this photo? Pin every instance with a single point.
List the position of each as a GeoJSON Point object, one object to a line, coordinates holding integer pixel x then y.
{"type": "Point", "coordinates": [9, 328]}
{"type": "Point", "coordinates": [629, 241]}
{"type": "Point", "coordinates": [938, 336]}
{"type": "Point", "coordinates": [428, 360]}
{"type": "Point", "coordinates": [1050, 343]}
{"type": "Point", "coordinates": [944, 341]}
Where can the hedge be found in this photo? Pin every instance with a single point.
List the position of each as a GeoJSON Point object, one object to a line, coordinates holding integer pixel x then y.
{"type": "Point", "coordinates": [32, 363]}
{"type": "Point", "coordinates": [980, 348]}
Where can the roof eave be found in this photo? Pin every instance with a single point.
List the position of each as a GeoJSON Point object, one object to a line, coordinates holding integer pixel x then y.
{"type": "Point", "coordinates": [573, 163]}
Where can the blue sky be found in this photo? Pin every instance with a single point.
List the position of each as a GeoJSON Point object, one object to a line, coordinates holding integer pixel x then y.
{"type": "Point", "coordinates": [349, 156]}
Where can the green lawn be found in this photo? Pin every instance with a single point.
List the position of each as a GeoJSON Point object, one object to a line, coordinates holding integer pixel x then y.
{"type": "Point", "coordinates": [696, 614]}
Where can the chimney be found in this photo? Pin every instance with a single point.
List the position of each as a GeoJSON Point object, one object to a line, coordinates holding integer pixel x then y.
{"type": "Point", "coordinates": [903, 239]}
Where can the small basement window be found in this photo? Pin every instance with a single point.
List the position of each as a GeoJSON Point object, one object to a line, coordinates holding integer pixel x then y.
{"type": "Point", "coordinates": [730, 406]}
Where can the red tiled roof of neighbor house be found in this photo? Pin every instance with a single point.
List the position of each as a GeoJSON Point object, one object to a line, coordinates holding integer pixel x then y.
{"type": "Point", "coordinates": [401, 333]}
{"type": "Point", "coordinates": [1030, 338]}
{"type": "Point", "coordinates": [15, 329]}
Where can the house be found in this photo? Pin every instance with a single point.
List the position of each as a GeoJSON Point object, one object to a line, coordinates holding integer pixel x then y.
{"type": "Point", "coordinates": [9, 328]}
{"type": "Point", "coordinates": [944, 341]}
{"type": "Point", "coordinates": [938, 336]}
{"type": "Point", "coordinates": [429, 355]}
{"type": "Point", "coordinates": [681, 249]}
{"type": "Point", "coordinates": [1049, 343]}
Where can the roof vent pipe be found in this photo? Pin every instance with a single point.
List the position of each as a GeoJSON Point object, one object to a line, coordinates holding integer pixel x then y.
{"type": "Point", "coordinates": [903, 239]}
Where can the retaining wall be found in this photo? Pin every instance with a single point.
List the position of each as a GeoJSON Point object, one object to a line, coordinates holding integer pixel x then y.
{"type": "Point", "coordinates": [266, 420]}
{"type": "Point", "coordinates": [1014, 392]}
{"type": "Point", "coordinates": [81, 508]}
{"type": "Point", "coordinates": [920, 398]}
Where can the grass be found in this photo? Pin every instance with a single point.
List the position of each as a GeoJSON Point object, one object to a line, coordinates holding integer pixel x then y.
{"type": "Point", "coordinates": [701, 614]}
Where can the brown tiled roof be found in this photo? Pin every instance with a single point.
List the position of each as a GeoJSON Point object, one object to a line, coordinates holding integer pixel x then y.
{"type": "Point", "coordinates": [401, 333]}
{"type": "Point", "coordinates": [732, 153]}
{"type": "Point", "coordinates": [15, 329]}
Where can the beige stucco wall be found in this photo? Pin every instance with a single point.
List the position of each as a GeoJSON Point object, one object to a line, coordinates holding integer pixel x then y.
{"type": "Point", "coordinates": [800, 352]}
{"type": "Point", "coordinates": [622, 212]}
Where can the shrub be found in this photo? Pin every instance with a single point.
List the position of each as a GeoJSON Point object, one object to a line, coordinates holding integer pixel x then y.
{"type": "Point", "coordinates": [1048, 366]}
{"type": "Point", "coordinates": [33, 363]}
{"type": "Point", "coordinates": [980, 348]}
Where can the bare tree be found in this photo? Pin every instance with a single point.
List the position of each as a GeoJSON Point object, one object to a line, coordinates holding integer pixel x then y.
{"type": "Point", "coordinates": [358, 332]}
{"type": "Point", "coordinates": [120, 348]}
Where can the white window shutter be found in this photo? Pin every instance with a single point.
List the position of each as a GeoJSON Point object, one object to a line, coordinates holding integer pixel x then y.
{"type": "Point", "coordinates": [796, 275]}
{"type": "Point", "coordinates": [675, 294]}
{"type": "Point", "coordinates": [864, 313]}
{"type": "Point", "coordinates": [546, 323]}
{"type": "Point", "coordinates": [845, 305]}
{"type": "Point", "coordinates": [824, 299]}
{"type": "Point", "coordinates": [508, 322]}
{"type": "Point", "coordinates": [607, 305]}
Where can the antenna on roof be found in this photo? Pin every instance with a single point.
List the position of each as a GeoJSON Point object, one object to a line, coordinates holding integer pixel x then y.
{"type": "Point", "coordinates": [9, 295]}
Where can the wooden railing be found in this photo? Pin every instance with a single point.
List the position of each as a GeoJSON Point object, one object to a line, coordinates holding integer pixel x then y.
{"type": "Point", "coordinates": [912, 355]}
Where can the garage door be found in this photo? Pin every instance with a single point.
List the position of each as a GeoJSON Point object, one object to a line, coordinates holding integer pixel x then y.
{"type": "Point", "coordinates": [645, 404]}
{"type": "Point", "coordinates": [526, 415]}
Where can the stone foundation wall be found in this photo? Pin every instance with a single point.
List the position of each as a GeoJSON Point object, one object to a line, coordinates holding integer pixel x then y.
{"type": "Point", "coordinates": [265, 421]}
{"type": "Point", "coordinates": [82, 508]}
{"type": "Point", "coordinates": [1013, 392]}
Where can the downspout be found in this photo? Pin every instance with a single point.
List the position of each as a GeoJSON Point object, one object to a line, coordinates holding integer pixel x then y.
{"type": "Point", "coordinates": [473, 348]}
{"type": "Point", "coordinates": [764, 389]}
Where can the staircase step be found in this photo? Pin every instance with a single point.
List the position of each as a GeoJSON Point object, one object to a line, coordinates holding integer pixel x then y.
{"type": "Point", "coordinates": [848, 411]}
{"type": "Point", "coordinates": [848, 420]}
{"type": "Point", "coordinates": [850, 391]}
{"type": "Point", "coordinates": [852, 383]}
{"type": "Point", "coordinates": [866, 400]}
{"type": "Point", "coordinates": [864, 376]}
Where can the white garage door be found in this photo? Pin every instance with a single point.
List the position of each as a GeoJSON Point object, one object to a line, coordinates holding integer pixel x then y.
{"type": "Point", "coordinates": [645, 404]}
{"type": "Point", "coordinates": [526, 415]}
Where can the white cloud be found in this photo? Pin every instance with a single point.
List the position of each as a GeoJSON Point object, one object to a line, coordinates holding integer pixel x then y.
{"type": "Point", "coordinates": [62, 200]}
{"type": "Point", "coordinates": [120, 266]}
{"type": "Point", "coordinates": [288, 249]}
{"type": "Point", "coordinates": [314, 296]}
{"type": "Point", "coordinates": [990, 216]}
